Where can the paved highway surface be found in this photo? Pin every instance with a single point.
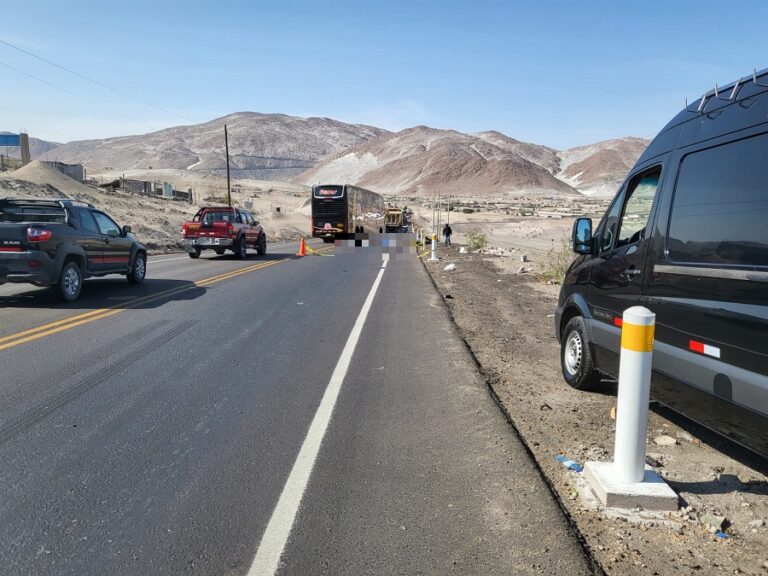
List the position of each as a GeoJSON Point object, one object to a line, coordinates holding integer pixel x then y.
{"type": "Point", "coordinates": [274, 415]}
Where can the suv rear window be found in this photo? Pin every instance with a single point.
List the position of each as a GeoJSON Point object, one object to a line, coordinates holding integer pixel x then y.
{"type": "Point", "coordinates": [720, 206]}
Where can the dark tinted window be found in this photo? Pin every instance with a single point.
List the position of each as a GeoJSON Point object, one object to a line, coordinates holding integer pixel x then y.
{"type": "Point", "coordinates": [720, 207]}
{"type": "Point", "coordinates": [89, 224]}
{"type": "Point", "coordinates": [106, 224]}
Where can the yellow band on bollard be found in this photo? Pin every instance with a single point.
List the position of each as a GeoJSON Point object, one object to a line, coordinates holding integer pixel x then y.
{"type": "Point", "coordinates": [637, 338]}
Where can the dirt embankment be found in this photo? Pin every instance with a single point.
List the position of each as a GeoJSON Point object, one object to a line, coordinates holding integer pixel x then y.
{"type": "Point", "coordinates": [506, 319]}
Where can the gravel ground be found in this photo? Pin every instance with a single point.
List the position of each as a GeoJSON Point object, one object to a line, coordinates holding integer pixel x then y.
{"type": "Point", "coordinates": [507, 321]}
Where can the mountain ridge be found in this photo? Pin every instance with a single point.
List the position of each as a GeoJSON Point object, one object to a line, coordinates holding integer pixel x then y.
{"type": "Point", "coordinates": [416, 160]}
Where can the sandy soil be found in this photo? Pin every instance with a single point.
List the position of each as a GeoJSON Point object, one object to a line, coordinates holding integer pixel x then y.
{"type": "Point", "coordinates": [507, 320]}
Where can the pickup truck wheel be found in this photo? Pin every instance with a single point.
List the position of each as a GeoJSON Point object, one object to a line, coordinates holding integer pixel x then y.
{"type": "Point", "coordinates": [70, 281]}
{"type": "Point", "coordinates": [576, 360]}
{"type": "Point", "coordinates": [195, 253]}
{"type": "Point", "coordinates": [241, 250]}
{"type": "Point", "coordinates": [219, 251]}
{"type": "Point", "coordinates": [139, 269]}
{"type": "Point", "coordinates": [261, 245]}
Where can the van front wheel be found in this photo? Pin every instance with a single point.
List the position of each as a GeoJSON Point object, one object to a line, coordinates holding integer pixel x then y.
{"type": "Point", "coordinates": [576, 356]}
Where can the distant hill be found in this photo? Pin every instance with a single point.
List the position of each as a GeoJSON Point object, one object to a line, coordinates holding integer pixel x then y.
{"type": "Point", "coordinates": [422, 161]}
{"type": "Point", "coordinates": [419, 160]}
{"type": "Point", "coordinates": [600, 168]}
{"type": "Point", "coordinates": [261, 146]}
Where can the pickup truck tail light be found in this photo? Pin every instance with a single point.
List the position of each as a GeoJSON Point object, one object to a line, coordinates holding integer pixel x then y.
{"type": "Point", "coordinates": [230, 230]}
{"type": "Point", "coordinates": [38, 235]}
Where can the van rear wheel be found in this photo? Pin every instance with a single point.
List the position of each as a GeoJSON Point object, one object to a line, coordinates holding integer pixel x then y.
{"type": "Point", "coordinates": [576, 360]}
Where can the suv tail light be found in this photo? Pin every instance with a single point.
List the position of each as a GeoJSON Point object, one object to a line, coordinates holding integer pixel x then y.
{"type": "Point", "coordinates": [38, 235]}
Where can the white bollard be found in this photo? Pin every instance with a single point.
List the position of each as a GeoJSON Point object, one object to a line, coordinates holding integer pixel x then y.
{"type": "Point", "coordinates": [433, 258]}
{"type": "Point", "coordinates": [637, 331]}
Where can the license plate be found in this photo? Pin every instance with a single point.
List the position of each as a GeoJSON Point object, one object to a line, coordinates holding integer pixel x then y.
{"type": "Point", "coordinates": [207, 240]}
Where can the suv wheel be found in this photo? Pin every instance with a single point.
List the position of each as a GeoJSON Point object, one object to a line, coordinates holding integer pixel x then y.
{"type": "Point", "coordinates": [139, 269]}
{"type": "Point", "coordinates": [241, 250]}
{"type": "Point", "coordinates": [576, 356]}
{"type": "Point", "coordinates": [261, 246]}
{"type": "Point", "coordinates": [70, 281]}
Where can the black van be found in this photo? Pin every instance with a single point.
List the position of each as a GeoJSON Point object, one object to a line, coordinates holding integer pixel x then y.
{"type": "Point", "coordinates": [687, 237]}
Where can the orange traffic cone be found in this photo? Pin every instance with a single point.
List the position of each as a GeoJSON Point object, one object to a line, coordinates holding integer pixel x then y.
{"type": "Point", "coordinates": [302, 248]}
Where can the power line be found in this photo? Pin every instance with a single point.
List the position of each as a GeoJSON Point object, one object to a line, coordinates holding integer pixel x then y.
{"type": "Point", "coordinates": [76, 95]}
{"type": "Point", "coordinates": [60, 67]}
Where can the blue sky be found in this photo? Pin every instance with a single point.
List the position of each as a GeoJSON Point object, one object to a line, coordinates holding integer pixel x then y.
{"type": "Point", "coordinates": [560, 73]}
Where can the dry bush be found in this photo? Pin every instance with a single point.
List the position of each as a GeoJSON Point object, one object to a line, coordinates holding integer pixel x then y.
{"type": "Point", "coordinates": [476, 240]}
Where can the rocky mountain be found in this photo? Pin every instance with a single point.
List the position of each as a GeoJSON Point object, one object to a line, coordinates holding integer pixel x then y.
{"type": "Point", "coordinates": [261, 146]}
{"type": "Point", "coordinates": [600, 168]}
{"type": "Point", "coordinates": [542, 155]}
{"type": "Point", "coordinates": [423, 161]}
{"type": "Point", "coordinates": [418, 160]}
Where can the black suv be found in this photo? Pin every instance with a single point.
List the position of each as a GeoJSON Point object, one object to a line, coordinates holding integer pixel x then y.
{"type": "Point", "coordinates": [686, 237]}
{"type": "Point", "coordinates": [58, 243]}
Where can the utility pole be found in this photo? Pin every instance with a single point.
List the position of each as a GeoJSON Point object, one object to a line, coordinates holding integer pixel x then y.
{"type": "Point", "coordinates": [449, 211]}
{"type": "Point", "coordinates": [226, 148]}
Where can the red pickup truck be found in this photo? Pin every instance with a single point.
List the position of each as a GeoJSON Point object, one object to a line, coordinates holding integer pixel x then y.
{"type": "Point", "coordinates": [220, 228]}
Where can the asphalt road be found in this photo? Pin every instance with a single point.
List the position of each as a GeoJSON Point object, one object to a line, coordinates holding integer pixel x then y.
{"type": "Point", "coordinates": [318, 411]}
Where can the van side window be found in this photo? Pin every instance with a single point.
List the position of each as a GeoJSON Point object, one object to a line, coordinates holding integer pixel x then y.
{"type": "Point", "coordinates": [626, 220]}
{"type": "Point", "coordinates": [637, 209]}
{"type": "Point", "coordinates": [720, 206]}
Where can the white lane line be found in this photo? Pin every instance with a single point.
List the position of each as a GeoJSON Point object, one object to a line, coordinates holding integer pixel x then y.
{"type": "Point", "coordinates": [273, 541]}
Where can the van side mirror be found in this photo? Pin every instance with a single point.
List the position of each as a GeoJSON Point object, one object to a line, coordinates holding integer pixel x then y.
{"type": "Point", "coordinates": [582, 236]}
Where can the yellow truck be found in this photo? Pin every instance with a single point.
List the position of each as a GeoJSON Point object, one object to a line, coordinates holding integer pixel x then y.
{"type": "Point", "coordinates": [396, 220]}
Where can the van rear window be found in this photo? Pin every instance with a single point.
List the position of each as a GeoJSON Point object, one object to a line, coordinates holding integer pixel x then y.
{"type": "Point", "coordinates": [720, 206]}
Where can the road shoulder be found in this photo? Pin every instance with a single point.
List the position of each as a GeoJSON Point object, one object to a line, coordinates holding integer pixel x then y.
{"type": "Point", "coordinates": [506, 321]}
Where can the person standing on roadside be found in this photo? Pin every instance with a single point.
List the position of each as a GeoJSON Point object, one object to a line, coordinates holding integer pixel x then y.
{"type": "Point", "coordinates": [447, 234]}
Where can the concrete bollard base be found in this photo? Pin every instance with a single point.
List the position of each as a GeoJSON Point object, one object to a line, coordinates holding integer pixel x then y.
{"type": "Point", "coordinates": [650, 494]}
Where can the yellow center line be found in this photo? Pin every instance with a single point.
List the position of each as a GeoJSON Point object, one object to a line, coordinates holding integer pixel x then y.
{"type": "Point", "coordinates": [80, 319]}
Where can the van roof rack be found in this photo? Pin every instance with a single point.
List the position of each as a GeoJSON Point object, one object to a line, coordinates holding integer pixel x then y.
{"type": "Point", "coordinates": [733, 87]}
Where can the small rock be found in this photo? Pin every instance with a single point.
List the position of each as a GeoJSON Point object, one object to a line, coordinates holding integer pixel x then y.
{"type": "Point", "coordinates": [664, 440]}
{"type": "Point", "coordinates": [524, 258]}
{"type": "Point", "coordinates": [463, 250]}
{"type": "Point", "coordinates": [651, 461]}
{"type": "Point", "coordinates": [759, 523]}
{"type": "Point", "coordinates": [450, 267]}
{"type": "Point", "coordinates": [683, 435]}
{"type": "Point", "coordinates": [522, 270]}
{"type": "Point", "coordinates": [448, 297]}
{"type": "Point", "coordinates": [714, 521]}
